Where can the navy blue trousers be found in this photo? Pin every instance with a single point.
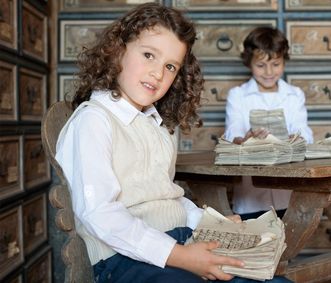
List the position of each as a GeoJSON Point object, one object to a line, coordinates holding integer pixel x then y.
{"type": "Point", "coordinates": [122, 269]}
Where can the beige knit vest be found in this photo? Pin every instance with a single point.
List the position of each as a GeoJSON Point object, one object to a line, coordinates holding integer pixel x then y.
{"type": "Point", "coordinates": [143, 159]}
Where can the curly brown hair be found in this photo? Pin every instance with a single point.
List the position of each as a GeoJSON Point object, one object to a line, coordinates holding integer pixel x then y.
{"type": "Point", "coordinates": [100, 65]}
{"type": "Point", "coordinates": [267, 40]}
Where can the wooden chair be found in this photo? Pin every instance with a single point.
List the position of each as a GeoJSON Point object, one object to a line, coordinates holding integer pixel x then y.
{"type": "Point", "coordinates": [78, 268]}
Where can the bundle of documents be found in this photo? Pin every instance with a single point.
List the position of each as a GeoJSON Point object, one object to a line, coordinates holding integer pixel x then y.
{"type": "Point", "coordinates": [271, 120]}
{"type": "Point", "coordinates": [320, 149]}
{"type": "Point", "coordinates": [259, 243]}
{"type": "Point", "coordinates": [254, 151]}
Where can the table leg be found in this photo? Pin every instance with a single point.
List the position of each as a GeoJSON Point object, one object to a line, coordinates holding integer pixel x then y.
{"type": "Point", "coordinates": [211, 194]}
{"type": "Point", "coordinates": [301, 220]}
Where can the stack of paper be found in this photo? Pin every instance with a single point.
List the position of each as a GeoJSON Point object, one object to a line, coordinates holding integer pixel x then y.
{"type": "Point", "coordinates": [271, 120]}
{"type": "Point", "coordinates": [320, 149]}
{"type": "Point", "coordinates": [258, 242]}
{"type": "Point", "coordinates": [254, 151]}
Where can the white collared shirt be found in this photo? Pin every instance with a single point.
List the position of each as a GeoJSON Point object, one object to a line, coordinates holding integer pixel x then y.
{"type": "Point", "coordinates": [90, 134]}
{"type": "Point", "coordinates": [241, 100]}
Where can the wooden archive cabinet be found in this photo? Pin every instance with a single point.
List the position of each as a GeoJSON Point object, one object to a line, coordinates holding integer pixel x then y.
{"type": "Point", "coordinates": [24, 171]}
{"type": "Point", "coordinates": [221, 27]}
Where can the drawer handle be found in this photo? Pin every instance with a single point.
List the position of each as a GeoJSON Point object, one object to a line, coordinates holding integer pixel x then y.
{"type": "Point", "coordinates": [2, 18]}
{"type": "Point", "coordinates": [327, 41]}
{"type": "Point", "coordinates": [327, 91]}
{"type": "Point", "coordinates": [32, 34]}
{"type": "Point", "coordinates": [31, 92]}
{"type": "Point", "coordinates": [4, 242]}
{"type": "Point", "coordinates": [224, 43]}
{"type": "Point", "coordinates": [215, 92]}
{"type": "Point", "coordinates": [214, 138]}
{"type": "Point", "coordinates": [328, 231]}
{"type": "Point", "coordinates": [36, 152]}
{"type": "Point", "coordinates": [3, 167]}
{"type": "Point", "coordinates": [32, 224]}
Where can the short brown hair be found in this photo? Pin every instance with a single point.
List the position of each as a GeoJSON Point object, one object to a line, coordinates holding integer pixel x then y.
{"type": "Point", "coordinates": [268, 40]}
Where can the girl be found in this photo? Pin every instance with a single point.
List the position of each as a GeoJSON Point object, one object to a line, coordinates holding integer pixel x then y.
{"type": "Point", "coordinates": [118, 152]}
{"type": "Point", "coordinates": [265, 53]}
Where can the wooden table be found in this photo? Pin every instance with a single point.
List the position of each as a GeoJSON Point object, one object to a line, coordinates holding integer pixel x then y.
{"type": "Point", "coordinates": [311, 184]}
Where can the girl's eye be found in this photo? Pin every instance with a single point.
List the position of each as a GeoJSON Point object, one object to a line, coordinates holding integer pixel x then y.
{"type": "Point", "coordinates": [148, 55]}
{"type": "Point", "coordinates": [171, 68]}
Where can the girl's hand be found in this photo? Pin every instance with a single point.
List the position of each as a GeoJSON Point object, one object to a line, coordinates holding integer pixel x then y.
{"type": "Point", "coordinates": [234, 218]}
{"type": "Point", "coordinates": [199, 259]}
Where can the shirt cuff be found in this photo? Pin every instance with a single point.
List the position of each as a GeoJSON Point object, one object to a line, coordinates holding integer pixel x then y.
{"type": "Point", "coordinates": [156, 247]}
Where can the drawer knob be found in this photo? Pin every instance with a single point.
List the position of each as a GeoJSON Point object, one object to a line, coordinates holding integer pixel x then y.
{"type": "Point", "coordinates": [224, 43]}
{"type": "Point", "coordinates": [327, 41]}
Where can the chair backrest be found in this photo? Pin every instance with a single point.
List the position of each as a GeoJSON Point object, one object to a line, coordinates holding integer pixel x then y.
{"type": "Point", "coordinates": [74, 252]}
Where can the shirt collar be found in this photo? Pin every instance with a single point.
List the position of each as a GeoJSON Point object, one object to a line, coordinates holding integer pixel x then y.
{"type": "Point", "coordinates": [122, 109]}
{"type": "Point", "coordinates": [284, 88]}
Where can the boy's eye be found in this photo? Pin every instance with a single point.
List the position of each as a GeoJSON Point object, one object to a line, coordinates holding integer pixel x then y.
{"type": "Point", "coordinates": [148, 55]}
{"type": "Point", "coordinates": [171, 68]}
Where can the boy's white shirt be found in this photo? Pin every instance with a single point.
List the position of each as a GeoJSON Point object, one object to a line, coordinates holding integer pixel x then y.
{"type": "Point", "coordinates": [124, 233]}
{"type": "Point", "coordinates": [242, 99]}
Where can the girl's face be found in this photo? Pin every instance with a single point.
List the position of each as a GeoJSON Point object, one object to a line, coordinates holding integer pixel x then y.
{"type": "Point", "coordinates": [150, 65]}
{"type": "Point", "coordinates": [267, 71]}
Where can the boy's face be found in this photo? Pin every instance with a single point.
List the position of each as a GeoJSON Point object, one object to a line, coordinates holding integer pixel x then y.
{"type": "Point", "coordinates": [150, 65]}
{"type": "Point", "coordinates": [267, 71]}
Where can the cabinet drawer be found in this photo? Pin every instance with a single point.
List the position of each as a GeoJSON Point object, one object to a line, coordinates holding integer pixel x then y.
{"type": "Point", "coordinates": [10, 166]}
{"type": "Point", "coordinates": [34, 32]}
{"type": "Point", "coordinates": [11, 251]}
{"type": "Point", "coordinates": [34, 223]}
{"type": "Point", "coordinates": [66, 87]}
{"type": "Point", "coordinates": [100, 5]}
{"type": "Point", "coordinates": [36, 166]}
{"type": "Point", "coordinates": [8, 93]}
{"type": "Point", "coordinates": [317, 89]}
{"type": "Point", "coordinates": [8, 23]}
{"type": "Point", "coordinates": [39, 268]}
{"type": "Point", "coordinates": [32, 95]}
{"type": "Point", "coordinates": [231, 5]}
{"type": "Point", "coordinates": [204, 138]}
{"type": "Point", "coordinates": [307, 5]}
{"type": "Point", "coordinates": [222, 40]}
{"type": "Point", "coordinates": [217, 89]}
{"type": "Point", "coordinates": [309, 39]}
{"type": "Point", "coordinates": [76, 34]}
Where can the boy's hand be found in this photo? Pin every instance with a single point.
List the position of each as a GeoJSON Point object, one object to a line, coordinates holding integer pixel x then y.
{"type": "Point", "coordinates": [260, 133]}
{"type": "Point", "coordinates": [199, 259]}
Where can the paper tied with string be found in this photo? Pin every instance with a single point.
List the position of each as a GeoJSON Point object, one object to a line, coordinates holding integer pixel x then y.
{"type": "Point", "coordinates": [255, 151]}
{"type": "Point", "coordinates": [319, 149]}
{"type": "Point", "coordinates": [258, 242]}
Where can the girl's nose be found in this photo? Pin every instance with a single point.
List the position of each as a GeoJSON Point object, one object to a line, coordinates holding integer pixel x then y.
{"type": "Point", "coordinates": [157, 72]}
